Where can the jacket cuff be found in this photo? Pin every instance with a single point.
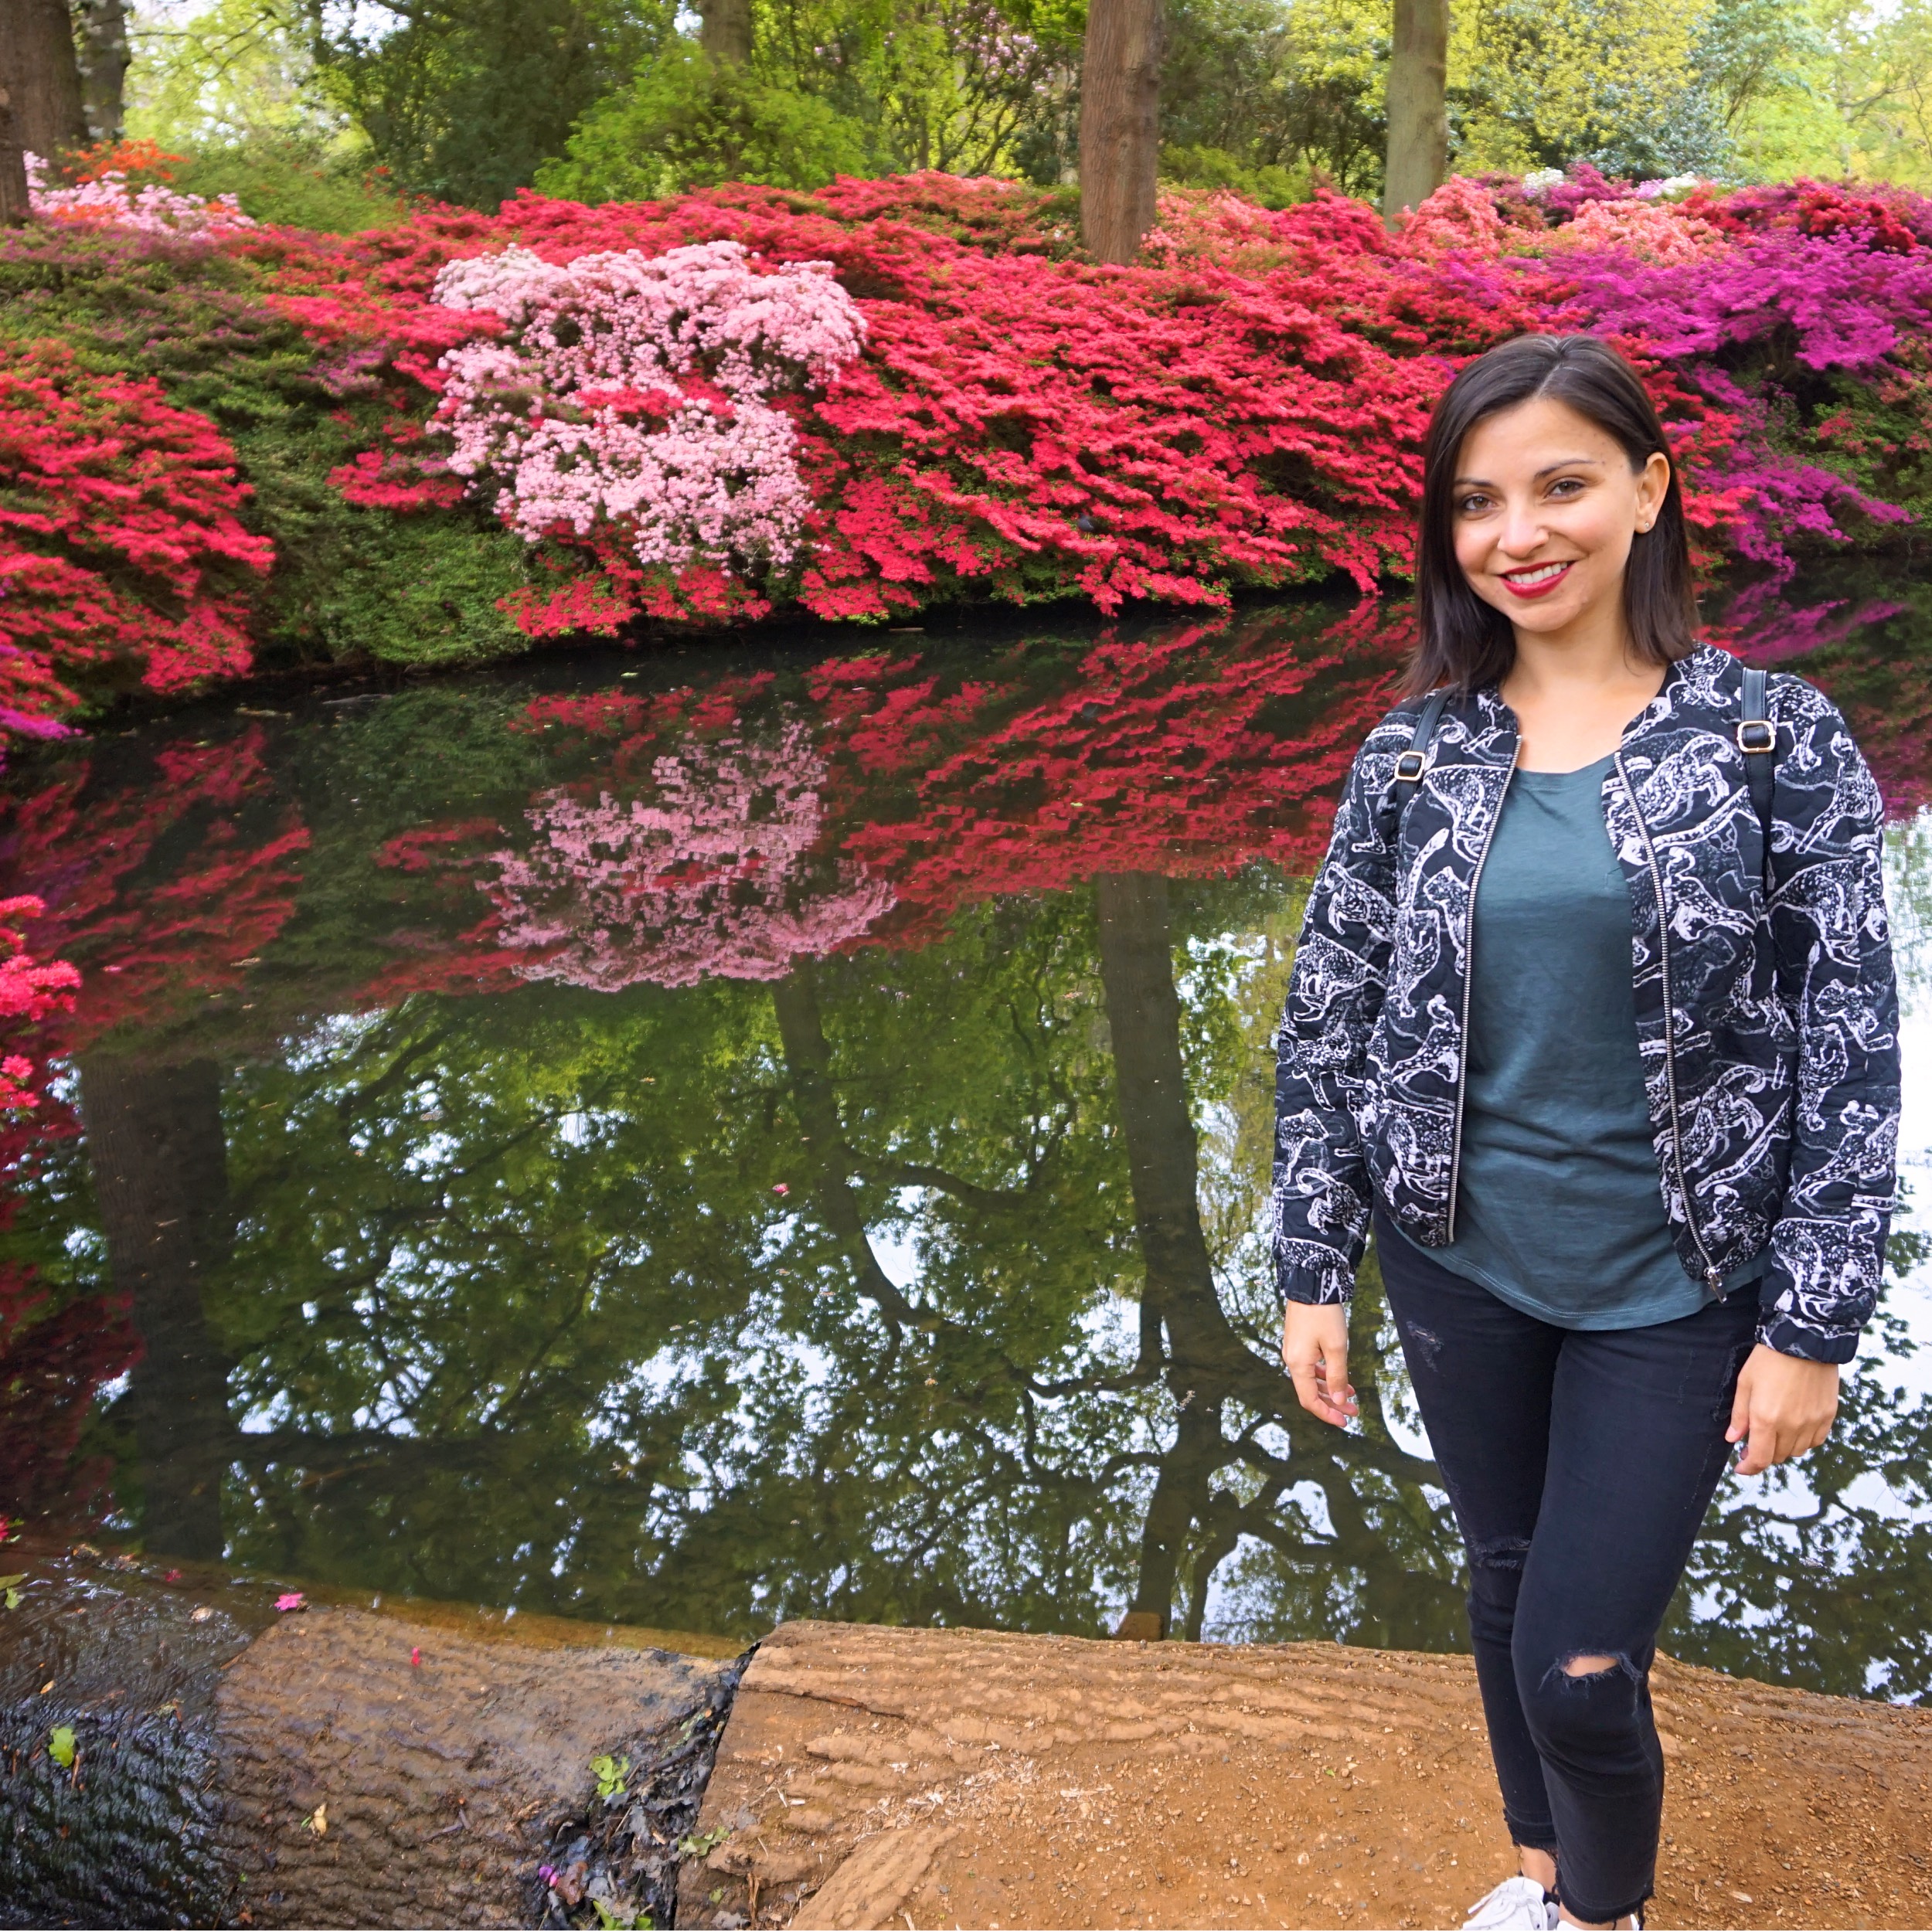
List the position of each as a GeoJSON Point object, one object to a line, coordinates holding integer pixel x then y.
{"type": "Point", "coordinates": [1315, 1275]}
{"type": "Point", "coordinates": [1780, 1332]}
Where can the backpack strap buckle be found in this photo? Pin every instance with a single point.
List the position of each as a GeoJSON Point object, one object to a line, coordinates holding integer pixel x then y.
{"type": "Point", "coordinates": [1757, 737]}
{"type": "Point", "coordinates": [1410, 766]}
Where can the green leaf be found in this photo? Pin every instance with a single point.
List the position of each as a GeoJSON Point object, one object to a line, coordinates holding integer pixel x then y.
{"type": "Point", "coordinates": [610, 1773]}
{"type": "Point", "coordinates": [14, 1598]}
{"type": "Point", "coordinates": [8, 1582]}
{"type": "Point", "coordinates": [60, 1746]}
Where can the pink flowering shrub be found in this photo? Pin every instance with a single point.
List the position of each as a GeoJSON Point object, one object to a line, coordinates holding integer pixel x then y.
{"type": "Point", "coordinates": [107, 200]}
{"type": "Point", "coordinates": [31, 990]}
{"type": "Point", "coordinates": [631, 392]}
{"type": "Point", "coordinates": [707, 871]}
{"type": "Point", "coordinates": [1641, 228]}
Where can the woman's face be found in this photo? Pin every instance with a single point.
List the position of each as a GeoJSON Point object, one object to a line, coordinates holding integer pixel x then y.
{"type": "Point", "coordinates": [1545, 508]}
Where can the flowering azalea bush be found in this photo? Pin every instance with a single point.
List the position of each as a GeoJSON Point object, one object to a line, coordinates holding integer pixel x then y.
{"type": "Point", "coordinates": [484, 428]}
{"type": "Point", "coordinates": [629, 393]}
{"type": "Point", "coordinates": [122, 550]}
{"type": "Point", "coordinates": [105, 195]}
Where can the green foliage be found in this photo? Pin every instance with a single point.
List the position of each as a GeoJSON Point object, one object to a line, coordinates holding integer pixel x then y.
{"type": "Point", "coordinates": [420, 590]}
{"type": "Point", "coordinates": [1272, 186]}
{"type": "Point", "coordinates": [686, 121]}
{"type": "Point", "coordinates": [294, 183]}
{"type": "Point", "coordinates": [60, 1746]}
{"type": "Point", "coordinates": [612, 1773]}
{"type": "Point", "coordinates": [466, 98]}
{"type": "Point", "coordinates": [1279, 91]}
{"type": "Point", "coordinates": [230, 72]}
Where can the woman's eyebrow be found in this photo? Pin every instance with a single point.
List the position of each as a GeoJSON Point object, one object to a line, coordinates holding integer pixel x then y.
{"type": "Point", "coordinates": [1549, 469]}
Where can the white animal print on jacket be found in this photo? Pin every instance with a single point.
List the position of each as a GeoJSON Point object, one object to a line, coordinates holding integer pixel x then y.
{"type": "Point", "coordinates": [1773, 1088]}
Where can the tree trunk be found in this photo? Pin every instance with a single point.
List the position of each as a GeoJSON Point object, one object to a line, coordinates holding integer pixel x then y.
{"type": "Point", "coordinates": [104, 65]}
{"type": "Point", "coordinates": [14, 209]}
{"type": "Point", "coordinates": [330, 1767]}
{"type": "Point", "coordinates": [1418, 106]}
{"type": "Point", "coordinates": [725, 34]}
{"type": "Point", "coordinates": [43, 75]}
{"type": "Point", "coordinates": [1120, 125]}
{"type": "Point", "coordinates": [161, 1175]}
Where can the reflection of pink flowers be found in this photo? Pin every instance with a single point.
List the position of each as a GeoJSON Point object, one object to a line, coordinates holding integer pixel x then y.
{"type": "Point", "coordinates": [712, 876]}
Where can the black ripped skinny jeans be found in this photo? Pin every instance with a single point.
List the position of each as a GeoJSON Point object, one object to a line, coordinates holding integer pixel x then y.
{"type": "Point", "coordinates": [1580, 1466]}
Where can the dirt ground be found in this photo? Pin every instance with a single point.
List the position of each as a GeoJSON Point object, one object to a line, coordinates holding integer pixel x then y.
{"type": "Point", "coordinates": [871, 1777]}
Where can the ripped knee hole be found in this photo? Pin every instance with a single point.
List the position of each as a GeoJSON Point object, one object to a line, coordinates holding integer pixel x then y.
{"type": "Point", "coordinates": [1590, 1665]}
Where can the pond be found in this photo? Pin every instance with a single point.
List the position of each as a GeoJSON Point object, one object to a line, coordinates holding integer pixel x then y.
{"type": "Point", "coordinates": [700, 1138]}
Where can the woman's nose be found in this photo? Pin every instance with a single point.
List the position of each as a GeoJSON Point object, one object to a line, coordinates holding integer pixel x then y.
{"type": "Point", "coordinates": [1523, 530]}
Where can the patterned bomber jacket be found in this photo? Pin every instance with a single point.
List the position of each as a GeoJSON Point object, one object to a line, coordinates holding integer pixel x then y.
{"type": "Point", "coordinates": [1769, 1040]}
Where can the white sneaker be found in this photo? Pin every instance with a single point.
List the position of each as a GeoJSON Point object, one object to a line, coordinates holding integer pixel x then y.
{"type": "Point", "coordinates": [1517, 1904]}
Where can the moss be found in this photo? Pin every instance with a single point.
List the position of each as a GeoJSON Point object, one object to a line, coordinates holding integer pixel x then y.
{"type": "Point", "coordinates": [421, 590]}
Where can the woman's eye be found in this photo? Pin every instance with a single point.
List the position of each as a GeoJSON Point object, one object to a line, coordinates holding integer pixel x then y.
{"type": "Point", "coordinates": [1473, 505]}
{"type": "Point", "coordinates": [1566, 486]}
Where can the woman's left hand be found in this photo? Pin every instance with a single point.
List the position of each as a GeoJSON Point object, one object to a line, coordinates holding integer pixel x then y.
{"type": "Point", "coordinates": [1784, 1405]}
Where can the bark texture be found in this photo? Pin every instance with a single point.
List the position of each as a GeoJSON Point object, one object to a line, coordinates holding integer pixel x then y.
{"type": "Point", "coordinates": [43, 75]}
{"type": "Point", "coordinates": [725, 34]}
{"type": "Point", "coordinates": [161, 1174]}
{"type": "Point", "coordinates": [1418, 155]}
{"type": "Point", "coordinates": [956, 1776]}
{"type": "Point", "coordinates": [104, 65]}
{"type": "Point", "coordinates": [330, 1767]}
{"type": "Point", "coordinates": [1120, 125]}
{"type": "Point", "coordinates": [13, 172]}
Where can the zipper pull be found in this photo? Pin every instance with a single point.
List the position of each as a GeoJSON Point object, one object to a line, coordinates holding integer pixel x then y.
{"type": "Point", "coordinates": [1714, 1281]}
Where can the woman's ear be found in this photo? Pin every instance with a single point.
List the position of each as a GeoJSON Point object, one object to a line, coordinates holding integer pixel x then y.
{"type": "Point", "coordinates": [1653, 479]}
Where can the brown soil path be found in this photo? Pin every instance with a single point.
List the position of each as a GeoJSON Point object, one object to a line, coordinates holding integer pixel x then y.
{"type": "Point", "coordinates": [871, 1777]}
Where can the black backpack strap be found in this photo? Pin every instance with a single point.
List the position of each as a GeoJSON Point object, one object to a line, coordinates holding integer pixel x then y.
{"type": "Point", "coordinates": [1757, 738]}
{"type": "Point", "coordinates": [1413, 762]}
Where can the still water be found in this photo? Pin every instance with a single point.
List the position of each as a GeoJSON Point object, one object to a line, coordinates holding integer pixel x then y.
{"type": "Point", "coordinates": [704, 1138]}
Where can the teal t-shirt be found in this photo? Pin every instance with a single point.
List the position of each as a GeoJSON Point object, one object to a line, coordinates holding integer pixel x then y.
{"type": "Point", "coordinates": [1558, 1208]}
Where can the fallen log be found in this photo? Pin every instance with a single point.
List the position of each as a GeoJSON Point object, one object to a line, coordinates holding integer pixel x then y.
{"type": "Point", "coordinates": [177, 1751]}
{"type": "Point", "coordinates": [917, 1778]}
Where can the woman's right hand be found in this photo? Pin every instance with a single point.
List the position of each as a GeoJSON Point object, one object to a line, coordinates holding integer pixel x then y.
{"type": "Point", "coordinates": [1314, 1350]}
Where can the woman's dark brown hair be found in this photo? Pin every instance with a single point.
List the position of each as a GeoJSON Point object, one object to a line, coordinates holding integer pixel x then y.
{"type": "Point", "coordinates": [1466, 643]}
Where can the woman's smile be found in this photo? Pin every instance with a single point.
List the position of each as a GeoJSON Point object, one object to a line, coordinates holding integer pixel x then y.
{"type": "Point", "coordinates": [1536, 579]}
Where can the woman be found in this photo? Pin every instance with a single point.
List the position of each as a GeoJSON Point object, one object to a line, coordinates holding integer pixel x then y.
{"type": "Point", "coordinates": [1593, 1018]}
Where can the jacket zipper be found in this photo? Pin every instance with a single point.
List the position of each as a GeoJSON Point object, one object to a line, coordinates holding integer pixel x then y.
{"type": "Point", "coordinates": [1468, 975]}
{"type": "Point", "coordinates": [1712, 1279]}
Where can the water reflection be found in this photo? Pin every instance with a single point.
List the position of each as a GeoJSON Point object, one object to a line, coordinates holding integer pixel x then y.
{"type": "Point", "coordinates": [699, 1146]}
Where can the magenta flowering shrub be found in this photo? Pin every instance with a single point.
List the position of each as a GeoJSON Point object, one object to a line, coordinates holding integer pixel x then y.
{"type": "Point", "coordinates": [627, 390]}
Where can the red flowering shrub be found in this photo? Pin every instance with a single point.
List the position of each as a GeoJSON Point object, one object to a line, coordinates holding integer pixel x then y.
{"type": "Point", "coordinates": [1242, 409]}
{"type": "Point", "coordinates": [122, 556]}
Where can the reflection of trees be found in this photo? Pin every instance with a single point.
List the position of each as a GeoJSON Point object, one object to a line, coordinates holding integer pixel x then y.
{"type": "Point", "coordinates": [924, 1280]}
{"type": "Point", "coordinates": [522, 1320]}
{"type": "Point", "coordinates": [155, 1143]}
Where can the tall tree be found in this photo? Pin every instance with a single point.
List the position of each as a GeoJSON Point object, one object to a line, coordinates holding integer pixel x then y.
{"type": "Point", "coordinates": [43, 75]}
{"type": "Point", "coordinates": [13, 166]}
{"type": "Point", "coordinates": [104, 65]}
{"type": "Point", "coordinates": [725, 34]}
{"type": "Point", "coordinates": [1417, 105]}
{"type": "Point", "coordinates": [1120, 125]}
{"type": "Point", "coordinates": [466, 97]}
